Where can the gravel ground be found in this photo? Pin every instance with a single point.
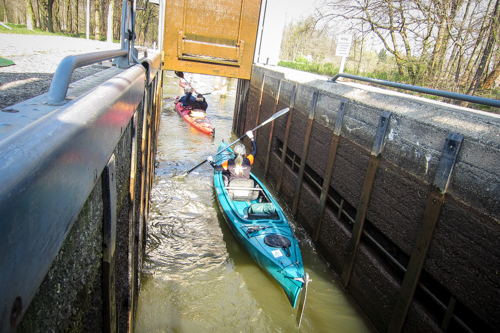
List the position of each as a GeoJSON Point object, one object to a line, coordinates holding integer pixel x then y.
{"type": "Point", "coordinates": [36, 59]}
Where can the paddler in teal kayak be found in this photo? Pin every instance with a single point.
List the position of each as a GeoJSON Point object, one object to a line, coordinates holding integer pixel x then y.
{"type": "Point", "coordinates": [240, 166]}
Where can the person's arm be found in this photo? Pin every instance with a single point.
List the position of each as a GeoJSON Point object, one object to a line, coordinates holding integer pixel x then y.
{"type": "Point", "coordinates": [254, 145]}
{"type": "Point", "coordinates": [254, 151]}
{"type": "Point", "coordinates": [204, 105]}
{"type": "Point", "coordinates": [215, 166]}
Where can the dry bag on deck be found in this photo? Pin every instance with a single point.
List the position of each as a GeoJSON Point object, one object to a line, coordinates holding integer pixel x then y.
{"type": "Point", "coordinates": [262, 211]}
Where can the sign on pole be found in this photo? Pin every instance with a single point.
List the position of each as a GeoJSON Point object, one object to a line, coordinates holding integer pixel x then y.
{"type": "Point", "coordinates": [343, 48]}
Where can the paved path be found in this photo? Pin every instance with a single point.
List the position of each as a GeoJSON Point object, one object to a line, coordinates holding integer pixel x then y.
{"type": "Point", "coordinates": [36, 59]}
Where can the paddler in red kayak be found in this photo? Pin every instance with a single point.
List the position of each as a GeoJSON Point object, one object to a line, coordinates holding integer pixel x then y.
{"type": "Point", "coordinates": [187, 97]}
{"type": "Point", "coordinates": [240, 166]}
{"type": "Point", "coordinates": [198, 104]}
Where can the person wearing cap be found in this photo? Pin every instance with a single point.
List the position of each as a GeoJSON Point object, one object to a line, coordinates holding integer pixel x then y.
{"type": "Point", "coordinates": [187, 97]}
{"type": "Point", "coordinates": [238, 167]}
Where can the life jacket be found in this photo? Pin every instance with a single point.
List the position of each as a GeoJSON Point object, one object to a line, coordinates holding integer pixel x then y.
{"type": "Point", "coordinates": [236, 171]}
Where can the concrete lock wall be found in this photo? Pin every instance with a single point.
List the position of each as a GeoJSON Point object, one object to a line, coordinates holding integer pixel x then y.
{"type": "Point", "coordinates": [394, 188]}
{"type": "Point", "coordinates": [93, 282]}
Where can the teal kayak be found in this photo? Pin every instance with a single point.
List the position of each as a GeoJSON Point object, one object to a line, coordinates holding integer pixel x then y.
{"type": "Point", "coordinates": [259, 224]}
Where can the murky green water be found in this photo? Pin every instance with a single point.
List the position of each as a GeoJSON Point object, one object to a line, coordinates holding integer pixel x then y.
{"type": "Point", "coordinates": [196, 276]}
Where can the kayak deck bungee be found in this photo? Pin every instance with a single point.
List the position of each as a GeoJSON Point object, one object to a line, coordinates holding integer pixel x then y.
{"type": "Point", "coordinates": [261, 227]}
{"type": "Point", "coordinates": [201, 123]}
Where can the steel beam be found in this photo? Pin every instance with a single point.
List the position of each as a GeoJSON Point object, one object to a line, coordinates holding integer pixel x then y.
{"type": "Point", "coordinates": [260, 102]}
{"type": "Point", "coordinates": [307, 137]}
{"type": "Point", "coordinates": [109, 246]}
{"type": "Point", "coordinates": [425, 232]}
{"type": "Point", "coordinates": [364, 199]}
{"type": "Point", "coordinates": [287, 135]}
{"type": "Point", "coordinates": [270, 141]}
{"type": "Point", "coordinates": [329, 168]}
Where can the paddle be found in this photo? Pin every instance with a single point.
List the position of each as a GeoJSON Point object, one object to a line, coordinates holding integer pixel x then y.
{"type": "Point", "coordinates": [181, 75]}
{"type": "Point", "coordinates": [276, 115]}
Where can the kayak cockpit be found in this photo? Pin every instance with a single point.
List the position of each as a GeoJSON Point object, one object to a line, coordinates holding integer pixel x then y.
{"type": "Point", "coordinates": [250, 202]}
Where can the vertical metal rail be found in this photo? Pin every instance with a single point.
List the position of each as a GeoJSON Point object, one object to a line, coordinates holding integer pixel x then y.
{"type": "Point", "coordinates": [132, 242]}
{"type": "Point", "coordinates": [148, 165]}
{"type": "Point", "coordinates": [329, 169]}
{"type": "Point", "coordinates": [287, 135]}
{"type": "Point", "coordinates": [142, 199]}
{"type": "Point", "coordinates": [425, 233]}
{"type": "Point", "coordinates": [270, 141]}
{"type": "Point", "coordinates": [359, 221]}
{"type": "Point", "coordinates": [449, 313]}
{"type": "Point", "coordinates": [241, 97]}
{"type": "Point", "coordinates": [109, 246]}
{"type": "Point", "coordinates": [260, 101]}
{"type": "Point", "coordinates": [310, 123]}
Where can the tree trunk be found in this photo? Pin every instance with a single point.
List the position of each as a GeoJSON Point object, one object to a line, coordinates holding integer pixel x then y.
{"type": "Point", "coordinates": [68, 16]}
{"type": "Point", "coordinates": [490, 80]}
{"type": "Point", "coordinates": [448, 12]}
{"type": "Point", "coordinates": [77, 17]}
{"type": "Point", "coordinates": [486, 53]}
{"type": "Point", "coordinates": [110, 21]}
{"type": "Point", "coordinates": [97, 13]}
{"type": "Point", "coordinates": [48, 7]}
{"type": "Point", "coordinates": [38, 18]}
{"type": "Point", "coordinates": [57, 17]}
{"type": "Point", "coordinates": [5, 18]}
{"type": "Point", "coordinates": [30, 17]}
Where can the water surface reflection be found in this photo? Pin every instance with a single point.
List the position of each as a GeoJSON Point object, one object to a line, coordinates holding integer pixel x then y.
{"type": "Point", "coordinates": [196, 277]}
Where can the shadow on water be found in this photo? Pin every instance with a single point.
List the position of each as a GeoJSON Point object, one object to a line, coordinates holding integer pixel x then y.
{"type": "Point", "coordinates": [196, 277]}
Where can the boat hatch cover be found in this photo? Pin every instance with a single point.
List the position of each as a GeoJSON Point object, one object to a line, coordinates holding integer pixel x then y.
{"type": "Point", "coordinates": [275, 240]}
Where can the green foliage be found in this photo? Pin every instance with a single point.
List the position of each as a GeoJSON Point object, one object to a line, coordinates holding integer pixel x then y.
{"type": "Point", "coordinates": [21, 29]}
{"type": "Point", "coordinates": [382, 55]}
{"type": "Point", "coordinates": [301, 59]}
{"type": "Point", "coordinates": [323, 69]}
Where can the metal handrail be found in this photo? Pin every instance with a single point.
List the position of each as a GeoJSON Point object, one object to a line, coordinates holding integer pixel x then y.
{"type": "Point", "coordinates": [429, 91]}
{"type": "Point", "coordinates": [62, 76]}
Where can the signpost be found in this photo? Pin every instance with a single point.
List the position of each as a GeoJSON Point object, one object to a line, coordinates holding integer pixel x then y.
{"type": "Point", "coordinates": [343, 48]}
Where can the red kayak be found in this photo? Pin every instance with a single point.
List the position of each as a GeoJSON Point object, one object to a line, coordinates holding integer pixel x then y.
{"type": "Point", "coordinates": [198, 119]}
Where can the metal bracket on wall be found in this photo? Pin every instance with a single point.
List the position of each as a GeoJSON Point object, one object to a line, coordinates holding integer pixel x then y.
{"type": "Point", "coordinates": [359, 221]}
{"type": "Point", "coordinates": [270, 141]}
{"type": "Point", "coordinates": [329, 168]}
{"type": "Point", "coordinates": [303, 159]}
{"type": "Point", "coordinates": [109, 245]}
{"type": "Point", "coordinates": [425, 232]}
{"type": "Point", "coordinates": [287, 135]}
{"type": "Point", "coordinates": [260, 102]}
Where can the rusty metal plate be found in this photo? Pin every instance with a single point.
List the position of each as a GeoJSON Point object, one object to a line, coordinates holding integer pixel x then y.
{"type": "Point", "coordinates": [215, 37]}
